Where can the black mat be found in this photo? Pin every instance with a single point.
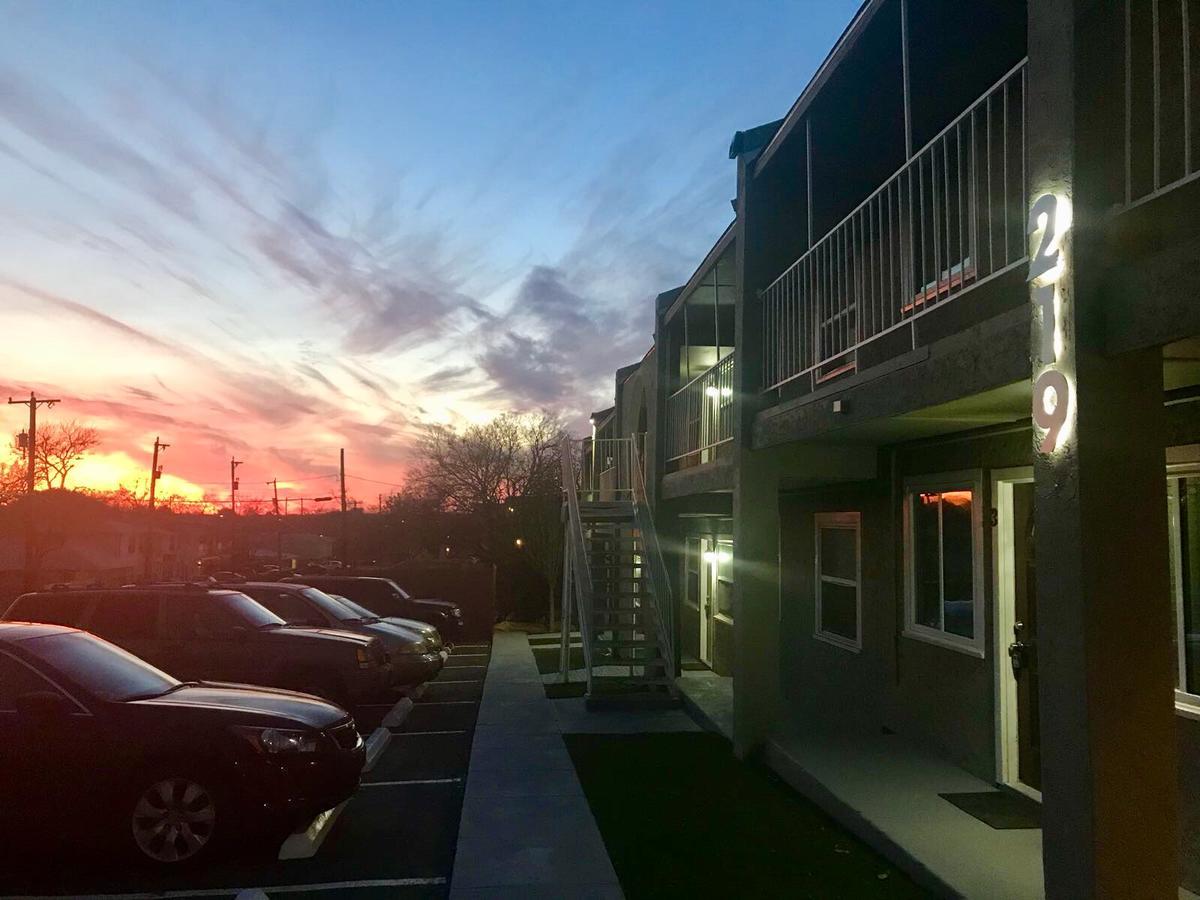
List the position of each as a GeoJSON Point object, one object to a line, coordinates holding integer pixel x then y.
{"type": "Point", "coordinates": [689, 665]}
{"type": "Point", "coordinates": [1000, 809]}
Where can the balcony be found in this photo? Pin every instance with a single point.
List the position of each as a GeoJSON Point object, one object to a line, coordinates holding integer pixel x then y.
{"type": "Point", "coordinates": [700, 414]}
{"type": "Point", "coordinates": [947, 221]}
{"type": "Point", "coordinates": [1161, 122]}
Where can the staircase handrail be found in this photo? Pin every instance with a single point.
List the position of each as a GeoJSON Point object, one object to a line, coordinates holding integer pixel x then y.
{"type": "Point", "coordinates": [644, 519]}
{"type": "Point", "coordinates": [576, 546]}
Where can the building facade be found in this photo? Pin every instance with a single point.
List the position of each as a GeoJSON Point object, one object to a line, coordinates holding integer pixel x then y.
{"type": "Point", "coordinates": [924, 425]}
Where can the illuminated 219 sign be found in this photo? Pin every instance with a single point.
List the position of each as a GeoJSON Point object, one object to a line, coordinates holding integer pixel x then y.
{"type": "Point", "coordinates": [1049, 217]}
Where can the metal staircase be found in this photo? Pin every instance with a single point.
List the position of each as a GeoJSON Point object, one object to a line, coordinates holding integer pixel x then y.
{"type": "Point", "coordinates": [617, 580]}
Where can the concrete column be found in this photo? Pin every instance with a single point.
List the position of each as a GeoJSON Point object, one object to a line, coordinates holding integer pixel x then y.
{"type": "Point", "coordinates": [1105, 640]}
{"type": "Point", "coordinates": [755, 494]}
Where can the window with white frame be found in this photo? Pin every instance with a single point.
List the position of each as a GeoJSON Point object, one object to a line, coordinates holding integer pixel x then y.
{"type": "Point", "coordinates": [839, 579]}
{"type": "Point", "coordinates": [943, 600]}
{"type": "Point", "coordinates": [1183, 498]}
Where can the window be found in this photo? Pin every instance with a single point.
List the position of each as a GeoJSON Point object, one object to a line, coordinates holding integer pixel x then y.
{"type": "Point", "coordinates": [288, 605]}
{"type": "Point", "coordinates": [122, 617]}
{"type": "Point", "coordinates": [1183, 498]}
{"type": "Point", "coordinates": [16, 679]}
{"type": "Point", "coordinates": [724, 567]}
{"type": "Point", "coordinates": [943, 600]}
{"type": "Point", "coordinates": [49, 609]}
{"type": "Point", "coordinates": [839, 579]}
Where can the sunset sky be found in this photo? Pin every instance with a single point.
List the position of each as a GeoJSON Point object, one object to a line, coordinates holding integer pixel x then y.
{"type": "Point", "coordinates": [271, 230]}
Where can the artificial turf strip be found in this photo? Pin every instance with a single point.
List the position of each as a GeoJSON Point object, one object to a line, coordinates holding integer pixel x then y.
{"type": "Point", "coordinates": [681, 817]}
{"type": "Point", "coordinates": [560, 691]}
{"type": "Point", "coordinates": [547, 658]}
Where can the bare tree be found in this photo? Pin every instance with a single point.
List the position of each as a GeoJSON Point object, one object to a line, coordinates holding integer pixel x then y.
{"type": "Point", "coordinates": [12, 481]}
{"type": "Point", "coordinates": [506, 474]}
{"type": "Point", "coordinates": [59, 448]}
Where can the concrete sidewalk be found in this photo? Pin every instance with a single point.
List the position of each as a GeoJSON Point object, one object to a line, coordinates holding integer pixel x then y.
{"type": "Point", "coordinates": [526, 827]}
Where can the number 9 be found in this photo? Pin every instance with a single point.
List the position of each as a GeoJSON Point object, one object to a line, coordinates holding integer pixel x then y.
{"type": "Point", "coordinates": [1051, 399]}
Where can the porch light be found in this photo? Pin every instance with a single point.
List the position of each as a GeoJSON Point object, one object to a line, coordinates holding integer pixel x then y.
{"type": "Point", "coordinates": [714, 556]}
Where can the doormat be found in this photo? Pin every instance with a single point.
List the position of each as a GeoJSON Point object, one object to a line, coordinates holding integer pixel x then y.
{"type": "Point", "coordinates": [1001, 810]}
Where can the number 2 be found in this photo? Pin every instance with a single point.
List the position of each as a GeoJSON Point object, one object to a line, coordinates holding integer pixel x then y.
{"type": "Point", "coordinates": [1043, 261]}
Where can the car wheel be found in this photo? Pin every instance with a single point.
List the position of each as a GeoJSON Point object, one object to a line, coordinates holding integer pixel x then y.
{"type": "Point", "coordinates": [174, 818]}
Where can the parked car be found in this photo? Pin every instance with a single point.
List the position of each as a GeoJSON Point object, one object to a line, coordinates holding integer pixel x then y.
{"type": "Point", "coordinates": [96, 745]}
{"type": "Point", "coordinates": [219, 635]}
{"type": "Point", "coordinates": [430, 633]}
{"type": "Point", "coordinates": [416, 654]}
{"type": "Point", "coordinates": [389, 599]}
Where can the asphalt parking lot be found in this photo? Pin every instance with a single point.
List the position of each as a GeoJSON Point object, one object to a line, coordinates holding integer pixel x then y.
{"type": "Point", "coordinates": [396, 837]}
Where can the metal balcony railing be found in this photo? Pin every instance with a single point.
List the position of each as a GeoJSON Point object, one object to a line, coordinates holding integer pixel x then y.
{"type": "Point", "coordinates": [952, 217]}
{"type": "Point", "coordinates": [1160, 96]}
{"type": "Point", "coordinates": [700, 414]}
{"type": "Point", "coordinates": [606, 469]}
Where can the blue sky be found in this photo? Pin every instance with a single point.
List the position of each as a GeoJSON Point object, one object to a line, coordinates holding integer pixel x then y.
{"type": "Point", "coordinates": [274, 229]}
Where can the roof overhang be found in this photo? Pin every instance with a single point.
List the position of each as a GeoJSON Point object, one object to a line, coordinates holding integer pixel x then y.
{"type": "Point", "coordinates": [844, 45]}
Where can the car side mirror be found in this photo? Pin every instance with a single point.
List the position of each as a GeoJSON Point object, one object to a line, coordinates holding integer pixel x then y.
{"type": "Point", "coordinates": [41, 706]}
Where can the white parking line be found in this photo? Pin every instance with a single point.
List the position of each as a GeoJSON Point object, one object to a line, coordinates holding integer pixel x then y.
{"type": "Point", "coordinates": [238, 892]}
{"type": "Point", "coordinates": [411, 781]}
{"type": "Point", "coordinates": [469, 655]}
{"type": "Point", "coordinates": [411, 733]}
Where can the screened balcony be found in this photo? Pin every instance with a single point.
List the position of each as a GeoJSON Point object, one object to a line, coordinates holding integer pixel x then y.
{"type": "Point", "coordinates": [948, 220]}
{"type": "Point", "coordinates": [700, 414]}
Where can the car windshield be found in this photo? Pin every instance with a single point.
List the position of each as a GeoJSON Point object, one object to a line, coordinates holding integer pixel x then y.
{"type": "Point", "coordinates": [358, 610]}
{"type": "Point", "coordinates": [332, 607]}
{"type": "Point", "coordinates": [107, 671]}
{"type": "Point", "coordinates": [404, 595]}
{"type": "Point", "coordinates": [248, 611]}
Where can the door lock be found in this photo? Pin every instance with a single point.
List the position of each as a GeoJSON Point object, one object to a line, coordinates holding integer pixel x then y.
{"type": "Point", "coordinates": [1018, 649]}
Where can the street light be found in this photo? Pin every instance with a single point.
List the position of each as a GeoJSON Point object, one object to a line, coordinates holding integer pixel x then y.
{"type": "Point", "coordinates": [519, 543]}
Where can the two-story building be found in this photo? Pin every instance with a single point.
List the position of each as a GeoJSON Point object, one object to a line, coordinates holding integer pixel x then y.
{"type": "Point", "coordinates": [924, 435]}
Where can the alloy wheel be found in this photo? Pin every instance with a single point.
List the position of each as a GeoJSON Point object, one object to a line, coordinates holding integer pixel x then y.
{"type": "Point", "coordinates": [173, 820]}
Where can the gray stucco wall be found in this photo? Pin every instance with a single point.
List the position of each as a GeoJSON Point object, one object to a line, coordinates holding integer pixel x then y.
{"type": "Point", "coordinates": [935, 695]}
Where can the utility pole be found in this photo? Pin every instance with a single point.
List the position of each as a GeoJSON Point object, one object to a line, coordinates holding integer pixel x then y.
{"type": "Point", "coordinates": [342, 477]}
{"type": "Point", "coordinates": [233, 486]}
{"type": "Point", "coordinates": [274, 483]}
{"type": "Point", "coordinates": [30, 485]}
{"type": "Point", "coordinates": [155, 474]}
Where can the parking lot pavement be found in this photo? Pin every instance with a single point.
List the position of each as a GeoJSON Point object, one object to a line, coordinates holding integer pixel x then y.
{"type": "Point", "coordinates": [396, 837]}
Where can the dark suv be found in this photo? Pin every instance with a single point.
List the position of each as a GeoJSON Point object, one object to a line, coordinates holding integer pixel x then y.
{"type": "Point", "coordinates": [387, 598]}
{"type": "Point", "coordinates": [219, 635]}
{"type": "Point", "coordinates": [416, 653]}
{"type": "Point", "coordinates": [98, 745]}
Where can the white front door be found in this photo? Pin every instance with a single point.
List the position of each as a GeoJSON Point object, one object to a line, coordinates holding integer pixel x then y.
{"type": "Point", "coordinates": [707, 599]}
{"type": "Point", "coordinates": [1017, 733]}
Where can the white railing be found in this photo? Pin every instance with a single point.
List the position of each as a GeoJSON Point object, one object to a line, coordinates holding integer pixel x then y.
{"type": "Point", "coordinates": [950, 218]}
{"type": "Point", "coordinates": [660, 582]}
{"type": "Point", "coordinates": [1160, 97]}
{"type": "Point", "coordinates": [700, 414]}
{"type": "Point", "coordinates": [605, 466]}
{"type": "Point", "coordinates": [576, 569]}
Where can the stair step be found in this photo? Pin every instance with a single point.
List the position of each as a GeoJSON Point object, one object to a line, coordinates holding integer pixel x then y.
{"type": "Point", "coordinates": [648, 644]}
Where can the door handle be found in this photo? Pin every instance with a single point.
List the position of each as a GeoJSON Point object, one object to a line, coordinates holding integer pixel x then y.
{"type": "Point", "coordinates": [1016, 655]}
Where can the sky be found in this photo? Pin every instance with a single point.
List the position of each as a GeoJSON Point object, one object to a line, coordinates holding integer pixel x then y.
{"type": "Point", "coordinates": [273, 230]}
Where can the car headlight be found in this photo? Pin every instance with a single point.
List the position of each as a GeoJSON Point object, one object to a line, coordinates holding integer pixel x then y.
{"type": "Point", "coordinates": [412, 648]}
{"type": "Point", "coordinates": [279, 740]}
